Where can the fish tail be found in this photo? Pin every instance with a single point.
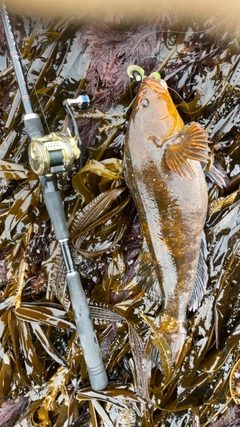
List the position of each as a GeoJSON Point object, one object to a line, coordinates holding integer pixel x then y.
{"type": "Point", "coordinates": [174, 333]}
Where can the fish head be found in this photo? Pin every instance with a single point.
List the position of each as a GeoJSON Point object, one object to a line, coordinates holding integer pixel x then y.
{"type": "Point", "coordinates": [154, 112]}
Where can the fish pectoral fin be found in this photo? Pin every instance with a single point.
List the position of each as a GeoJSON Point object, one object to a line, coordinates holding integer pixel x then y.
{"type": "Point", "coordinates": [190, 143]}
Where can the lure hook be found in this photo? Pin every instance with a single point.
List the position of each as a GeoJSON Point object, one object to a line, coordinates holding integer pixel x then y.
{"type": "Point", "coordinates": [138, 74]}
{"type": "Point", "coordinates": [135, 72]}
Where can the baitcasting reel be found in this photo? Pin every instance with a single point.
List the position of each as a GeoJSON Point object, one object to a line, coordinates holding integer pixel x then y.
{"type": "Point", "coordinates": [56, 152]}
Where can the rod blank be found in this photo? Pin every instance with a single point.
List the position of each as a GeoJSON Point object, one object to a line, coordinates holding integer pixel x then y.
{"type": "Point", "coordinates": [52, 197]}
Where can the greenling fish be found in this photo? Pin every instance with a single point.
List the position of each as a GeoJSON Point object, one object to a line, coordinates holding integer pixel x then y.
{"type": "Point", "coordinates": [162, 164]}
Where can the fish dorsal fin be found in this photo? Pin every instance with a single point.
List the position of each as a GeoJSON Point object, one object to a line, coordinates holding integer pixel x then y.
{"type": "Point", "coordinates": [190, 143]}
{"type": "Point", "coordinates": [217, 175]}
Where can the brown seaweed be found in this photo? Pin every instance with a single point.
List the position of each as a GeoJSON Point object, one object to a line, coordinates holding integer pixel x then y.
{"type": "Point", "coordinates": [43, 376]}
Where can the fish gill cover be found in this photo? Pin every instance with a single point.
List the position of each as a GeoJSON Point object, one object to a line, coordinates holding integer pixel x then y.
{"type": "Point", "coordinates": [43, 377]}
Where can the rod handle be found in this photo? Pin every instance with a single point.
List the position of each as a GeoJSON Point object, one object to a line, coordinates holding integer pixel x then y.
{"type": "Point", "coordinates": [54, 204]}
{"type": "Point", "coordinates": [90, 347]}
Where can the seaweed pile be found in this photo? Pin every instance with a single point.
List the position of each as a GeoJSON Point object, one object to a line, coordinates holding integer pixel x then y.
{"type": "Point", "coordinates": [43, 377]}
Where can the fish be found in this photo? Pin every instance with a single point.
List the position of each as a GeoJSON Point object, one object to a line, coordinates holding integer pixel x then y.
{"type": "Point", "coordinates": [163, 168]}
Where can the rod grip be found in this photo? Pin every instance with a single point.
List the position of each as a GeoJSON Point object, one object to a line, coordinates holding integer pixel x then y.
{"type": "Point", "coordinates": [53, 200]}
{"type": "Point", "coordinates": [56, 213]}
{"type": "Point", "coordinates": [90, 347]}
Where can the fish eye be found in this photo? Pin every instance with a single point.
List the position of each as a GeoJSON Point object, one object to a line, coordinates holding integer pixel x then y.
{"type": "Point", "coordinates": [144, 102]}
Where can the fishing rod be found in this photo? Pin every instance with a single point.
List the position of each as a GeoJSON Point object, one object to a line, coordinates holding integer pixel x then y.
{"type": "Point", "coordinates": [49, 155]}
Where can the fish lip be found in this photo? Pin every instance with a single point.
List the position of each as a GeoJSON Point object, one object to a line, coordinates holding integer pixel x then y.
{"type": "Point", "coordinates": [154, 85]}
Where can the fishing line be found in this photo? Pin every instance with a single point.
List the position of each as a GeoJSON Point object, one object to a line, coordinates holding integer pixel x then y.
{"type": "Point", "coordinates": [178, 32]}
{"type": "Point", "coordinates": [40, 105]}
{"type": "Point", "coordinates": [179, 96]}
{"type": "Point", "coordinates": [172, 52]}
{"type": "Point", "coordinates": [167, 88]}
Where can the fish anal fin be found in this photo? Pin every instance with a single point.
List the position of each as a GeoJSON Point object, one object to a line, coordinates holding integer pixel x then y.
{"type": "Point", "coordinates": [146, 275]}
{"type": "Point", "coordinates": [201, 277]}
{"type": "Point", "coordinates": [189, 144]}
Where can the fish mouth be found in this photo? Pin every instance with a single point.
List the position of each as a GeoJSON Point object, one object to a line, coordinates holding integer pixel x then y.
{"type": "Point", "coordinates": [155, 86]}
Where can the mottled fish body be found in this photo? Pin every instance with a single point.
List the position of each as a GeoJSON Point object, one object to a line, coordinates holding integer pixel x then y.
{"type": "Point", "coordinates": [164, 174]}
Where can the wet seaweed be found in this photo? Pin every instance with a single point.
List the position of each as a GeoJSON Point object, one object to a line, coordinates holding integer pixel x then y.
{"type": "Point", "coordinates": [43, 376]}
